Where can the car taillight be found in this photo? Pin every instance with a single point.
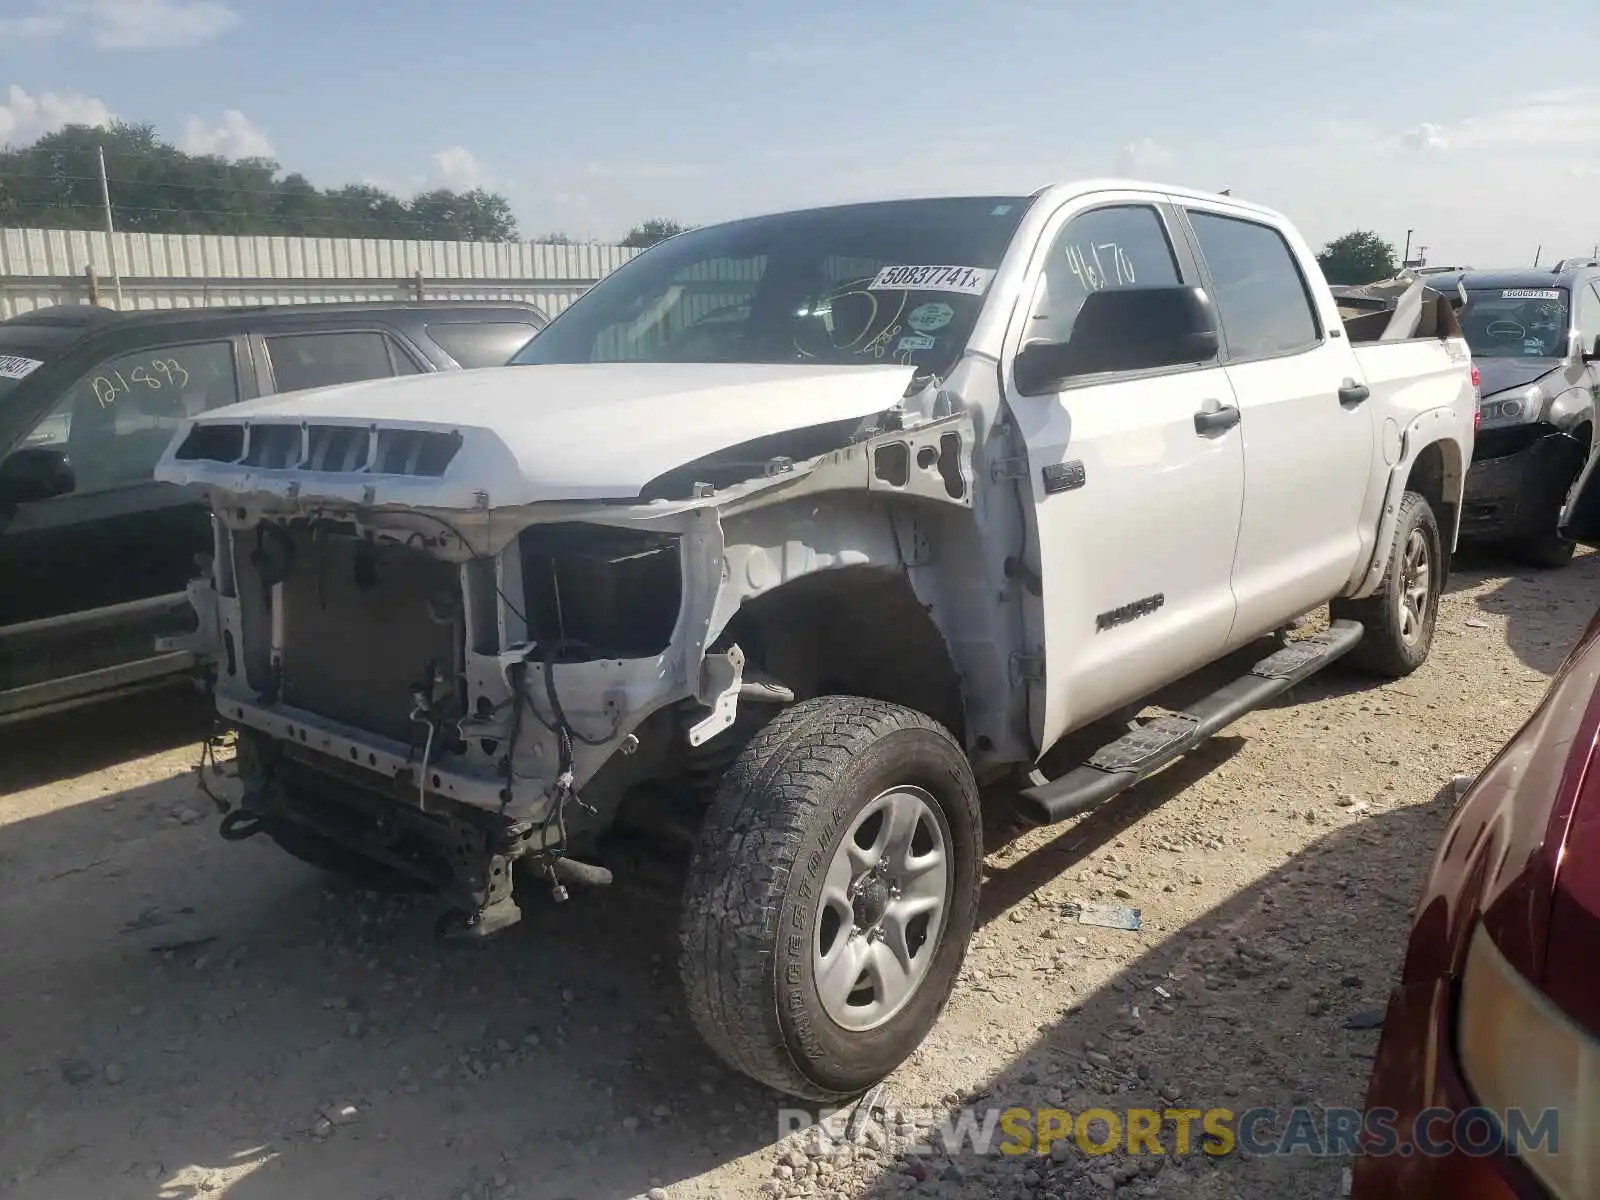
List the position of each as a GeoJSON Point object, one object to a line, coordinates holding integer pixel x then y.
{"type": "Point", "coordinates": [1475, 376]}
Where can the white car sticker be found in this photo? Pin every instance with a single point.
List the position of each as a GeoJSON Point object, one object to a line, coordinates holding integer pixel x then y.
{"type": "Point", "coordinates": [968, 281]}
{"type": "Point", "coordinates": [1530, 294]}
{"type": "Point", "coordinates": [14, 366]}
{"type": "Point", "coordinates": [916, 341]}
{"type": "Point", "coordinates": [925, 318]}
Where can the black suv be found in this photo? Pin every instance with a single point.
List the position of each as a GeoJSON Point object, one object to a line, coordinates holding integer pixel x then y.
{"type": "Point", "coordinates": [1535, 338]}
{"type": "Point", "coordinates": [95, 555]}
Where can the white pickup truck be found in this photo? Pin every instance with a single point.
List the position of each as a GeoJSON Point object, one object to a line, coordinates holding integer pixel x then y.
{"type": "Point", "coordinates": [792, 533]}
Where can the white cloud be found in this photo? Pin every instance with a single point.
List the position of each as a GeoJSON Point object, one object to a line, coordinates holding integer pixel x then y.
{"type": "Point", "coordinates": [1426, 136]}
{"type": "Point", "coordinates": [24, 118]}
{"type": "Point", "coordinates": [459, 168]}
{"type": "Point", "coordinates": [1548, 120]}
{"type": "Point", "coordinates": [236, 137]}
{"type": "Point", "coordinates": [126, 24]}
{"type": "Point", "coordinates": [1143, 155]}
{"type": "Point", "coordinates": [40, 25]}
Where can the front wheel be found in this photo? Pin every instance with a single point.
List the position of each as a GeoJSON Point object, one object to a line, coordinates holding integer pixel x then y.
{"type": "Point", "coordinates": [1399, 617]}
{"type": "Point", "coordinates": [831, 896]}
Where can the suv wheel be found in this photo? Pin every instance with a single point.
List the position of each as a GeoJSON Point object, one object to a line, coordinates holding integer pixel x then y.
{"type": "Point", "coordinates": [831, 896]}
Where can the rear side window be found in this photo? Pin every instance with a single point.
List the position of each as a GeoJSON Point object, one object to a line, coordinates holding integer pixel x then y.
{"type": "Point", "coordinates": [482, 343]}
{"type": "Point", "coordinates": [308, 360]}
{"type": "Point", "coordinates": [1260, 294]}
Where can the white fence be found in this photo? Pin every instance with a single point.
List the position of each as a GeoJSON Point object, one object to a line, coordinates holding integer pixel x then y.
{"type": "Point", "coordinates": [42, 267]}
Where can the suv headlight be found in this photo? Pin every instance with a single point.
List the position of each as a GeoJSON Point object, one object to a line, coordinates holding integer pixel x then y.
{"type": "Point", "coordinates": [1522, 1056]}
{"type": "Point", "coordinates": [1525, 405]}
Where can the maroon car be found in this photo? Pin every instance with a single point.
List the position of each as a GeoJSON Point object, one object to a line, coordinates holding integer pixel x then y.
{"type": "Point", "coordinates": [1487, 1080]}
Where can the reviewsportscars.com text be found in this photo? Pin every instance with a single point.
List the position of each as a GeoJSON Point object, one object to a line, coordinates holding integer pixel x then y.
{"type": "Point", "coordinates": [1217, 1132]}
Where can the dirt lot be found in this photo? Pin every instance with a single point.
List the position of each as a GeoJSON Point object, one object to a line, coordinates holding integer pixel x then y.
{"type": "Point", "coordinates": [181, 1017]}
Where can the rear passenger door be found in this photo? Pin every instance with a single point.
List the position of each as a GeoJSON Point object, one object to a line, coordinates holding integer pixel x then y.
{"type": "Point", "coordinates": [295, 360]}
{"type": "Point", "coordinates": [1306, 423]}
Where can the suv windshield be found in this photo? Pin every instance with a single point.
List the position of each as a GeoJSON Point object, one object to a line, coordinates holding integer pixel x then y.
{"type": "Point", "coordinates": [894, 282]}
{"type": "Point", "coordinates": [1528, 322]}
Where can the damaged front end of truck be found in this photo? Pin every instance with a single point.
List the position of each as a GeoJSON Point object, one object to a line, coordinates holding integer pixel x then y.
{"type": "Point", "coordinates": [448, 652]}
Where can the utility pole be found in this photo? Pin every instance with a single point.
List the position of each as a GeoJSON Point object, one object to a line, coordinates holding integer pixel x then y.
{"type": "Point", "coordinates": [111, 232]}
{"type": "Point", "coordinates": [1537, 252]}
{"type": "Point", "coordinates": [1405, 255]}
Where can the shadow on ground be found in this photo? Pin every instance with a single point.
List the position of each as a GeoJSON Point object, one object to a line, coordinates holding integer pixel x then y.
{"type": "Point", "coordinates": [41, 751]}
{"type": "Point", "coordinates": [185, 1018]}
{"type": "Point", "coordinates": [1537, 608]}
{"type": "Point", "coordinates": [234, 1022]}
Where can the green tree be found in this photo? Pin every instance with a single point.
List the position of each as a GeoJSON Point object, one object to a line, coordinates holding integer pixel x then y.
{"type": "Point", "coordinates": [656, 229]}
{"type": "Point", "coordinates": [1357, 257]}
{"type": "Point", "coordinates": [475, 216]}
{"type": "Point", "coordinates": [554, 239]}
{"type": "Point", "coordinates": [157, 188]}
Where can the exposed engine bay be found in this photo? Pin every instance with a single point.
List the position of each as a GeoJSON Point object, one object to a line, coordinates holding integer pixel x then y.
{"type": "Point", "coordinates": [549, 688]}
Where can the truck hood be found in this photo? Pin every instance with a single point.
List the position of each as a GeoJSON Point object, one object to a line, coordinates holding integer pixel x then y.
{"type": "Point", "coordinates": [516, 435]}
{"type": "Point", "coordinates": [1503, 374]}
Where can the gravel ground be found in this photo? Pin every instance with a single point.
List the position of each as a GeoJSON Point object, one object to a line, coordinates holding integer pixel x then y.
{"type": "Point", "coordinates": [182, 1017]}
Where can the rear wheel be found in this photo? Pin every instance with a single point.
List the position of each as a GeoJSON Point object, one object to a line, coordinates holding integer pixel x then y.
{"type": "Point", "coordinates": [831, 896]}
{"type": "Point", "coordinates": [1399, 617]}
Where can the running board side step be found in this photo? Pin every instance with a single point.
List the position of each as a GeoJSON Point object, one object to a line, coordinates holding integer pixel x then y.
{"type": "Point", "coordinates": [1136, 755]}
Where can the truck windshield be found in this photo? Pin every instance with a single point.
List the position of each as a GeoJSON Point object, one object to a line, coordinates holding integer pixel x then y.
{"type": "Point", "coordinates": [1516, 322]}
{"type": "Point", "coordinates": [893, 282]}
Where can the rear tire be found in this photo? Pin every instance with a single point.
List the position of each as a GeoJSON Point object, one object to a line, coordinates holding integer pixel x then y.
{"type": "Point", "coordinates": [1399, 617]}
{"type": "Point", "coordinates": [831, 896]}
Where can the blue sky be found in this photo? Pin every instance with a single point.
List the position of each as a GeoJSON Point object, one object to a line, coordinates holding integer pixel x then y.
{"type": "Point", "coordinates": [594, 116]}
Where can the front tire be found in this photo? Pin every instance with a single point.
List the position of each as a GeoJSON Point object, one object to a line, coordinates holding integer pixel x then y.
{"type": "Point", "coordinates": [1546, 549]}
{"type": "Point", "coordinates": [831, 896]}
{"type": "Point", "coordinates": [1399, 617]}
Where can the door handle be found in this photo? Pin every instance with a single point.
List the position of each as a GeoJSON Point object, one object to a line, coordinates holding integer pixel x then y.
{"type": "Point", "coordinates": [1352, 393]}
{"type": "Point", "coordinates": [1215, 420]}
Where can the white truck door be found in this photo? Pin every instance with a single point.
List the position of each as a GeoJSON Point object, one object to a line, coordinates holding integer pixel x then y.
{"type": "Point", "coordinates": [1307, 426]}
{"type": "Point", "coordinates": [1137, 506]}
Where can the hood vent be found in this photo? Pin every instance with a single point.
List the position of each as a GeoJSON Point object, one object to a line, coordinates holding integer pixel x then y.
{"type": "Point", "coordinates": [325, 449]}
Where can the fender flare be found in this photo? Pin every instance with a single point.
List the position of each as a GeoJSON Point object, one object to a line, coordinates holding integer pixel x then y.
{"type": "Point", "coordinates": [1571, 409]}
{"type": "Point", "coordinates": [1433, 427]}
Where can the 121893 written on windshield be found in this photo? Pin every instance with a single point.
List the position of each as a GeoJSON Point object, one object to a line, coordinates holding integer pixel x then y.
{"type": "Point", "coordinates": [155, 375]}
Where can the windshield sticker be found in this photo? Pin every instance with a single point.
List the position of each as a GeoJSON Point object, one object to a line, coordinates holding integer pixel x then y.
{"type": "Point", "coordinates": [14, 366]}
{"type": "Point", "coordinates": [913, 342]}
{"type": "Point", "coordinates": [925, 318]}
{"type": "Point", "coordinates": [967, 281]}
{"type": "Point", "coordinates": [1530, 294]}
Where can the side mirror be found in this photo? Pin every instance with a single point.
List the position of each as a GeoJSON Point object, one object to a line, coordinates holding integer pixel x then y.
{"type": "Point", "coordinates": [35, 473]}
{"type": "Point", "coordinates": [1124, 329]}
